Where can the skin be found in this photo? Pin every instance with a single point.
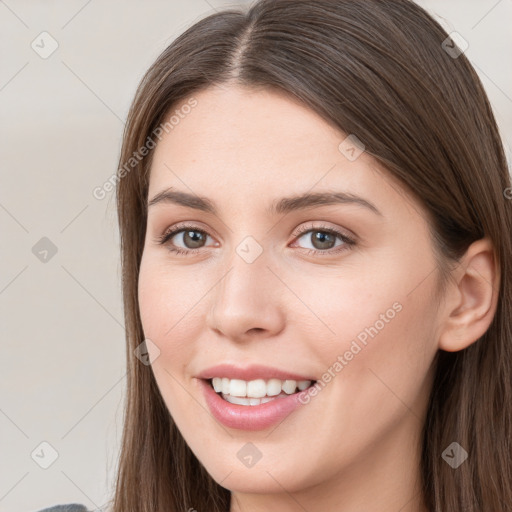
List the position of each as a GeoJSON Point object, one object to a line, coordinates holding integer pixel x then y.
{"type": "Point", "coordinates": [356, 444]}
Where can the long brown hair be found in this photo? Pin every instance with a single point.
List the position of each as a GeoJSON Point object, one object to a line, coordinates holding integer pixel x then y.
{"type": "Point", "coordinates": [383, 70]}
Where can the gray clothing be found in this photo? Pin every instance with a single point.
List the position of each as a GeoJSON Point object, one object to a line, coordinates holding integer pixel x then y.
{"type": "Point", "coordinates": [72, 507]}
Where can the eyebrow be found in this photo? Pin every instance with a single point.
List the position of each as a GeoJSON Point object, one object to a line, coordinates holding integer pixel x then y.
{"type": "Point", "coordinates": [281, 206]}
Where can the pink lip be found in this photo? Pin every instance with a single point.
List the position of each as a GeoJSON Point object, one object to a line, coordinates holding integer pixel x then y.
{"type": "Point", "coordinates": [251, 372]}
{"type": "Point", "coordinates": [249, 417]}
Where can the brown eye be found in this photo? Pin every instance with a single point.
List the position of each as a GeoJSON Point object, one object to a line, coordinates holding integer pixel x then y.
{"type": "Point", "coordinates": [323, 240]}
{"type": "Point", "coordinates": [186, 239]}
{"type": "Point", "coordinates": [192, 239]}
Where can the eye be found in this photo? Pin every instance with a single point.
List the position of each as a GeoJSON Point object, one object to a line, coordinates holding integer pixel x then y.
{"type": "Point", "coordinates": [323, 239]}
{"type": "Point", "coordinates": [193, 238]}
{"type": "Point", "coordinates": [190, 235]}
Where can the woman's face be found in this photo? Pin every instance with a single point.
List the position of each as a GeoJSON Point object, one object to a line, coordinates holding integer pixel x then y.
{"type": "Point", "coordinates": [266, 281]}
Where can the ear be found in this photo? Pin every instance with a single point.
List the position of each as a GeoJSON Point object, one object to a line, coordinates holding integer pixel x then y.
{"type": "Point", "coordinates": [471, 299]}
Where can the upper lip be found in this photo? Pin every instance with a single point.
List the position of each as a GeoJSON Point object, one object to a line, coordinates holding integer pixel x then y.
{"type": "Point", "coordinates": [248, 373]}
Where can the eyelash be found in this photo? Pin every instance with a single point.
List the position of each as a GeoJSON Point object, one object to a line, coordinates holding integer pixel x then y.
{"type": "Point", "coordinates": [167, 235]}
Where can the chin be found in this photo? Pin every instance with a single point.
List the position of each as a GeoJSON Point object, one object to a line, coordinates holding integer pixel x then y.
{"type": "Point", "coordinates": [247, 482]}
{"type": "Point", "coordinates": [260, 479]}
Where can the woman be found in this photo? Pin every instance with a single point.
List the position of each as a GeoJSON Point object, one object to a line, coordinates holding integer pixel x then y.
{"type": "Point", "coordinates": [316, 251]}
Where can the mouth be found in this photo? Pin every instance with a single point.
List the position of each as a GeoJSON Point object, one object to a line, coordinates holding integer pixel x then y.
{"type": "Point", "coordinates": [256, 392]}
{"type": "Point", "coordinates": [253, 405]}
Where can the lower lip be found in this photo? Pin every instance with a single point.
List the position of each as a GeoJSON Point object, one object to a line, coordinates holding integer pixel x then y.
{"type": "Point", "coordinates": [249, 417]}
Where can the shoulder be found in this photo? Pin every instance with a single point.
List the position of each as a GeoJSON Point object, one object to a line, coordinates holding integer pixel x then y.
{"type": "Point", "coordinates": [72, 507]}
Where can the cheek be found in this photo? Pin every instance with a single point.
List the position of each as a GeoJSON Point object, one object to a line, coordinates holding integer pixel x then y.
{"type": "Point", "coordinates": [166, 303]}
{"type": "Point", "coordinates": [167, 297]}
{"type": "Point", "coordinates": [169, 319]}
{"type": "Point", "coordinates": [373, 332]}
{"type": "Point", "coordinates": [364, 301]}
{"type": "Point", "coordinates": [378, 365]}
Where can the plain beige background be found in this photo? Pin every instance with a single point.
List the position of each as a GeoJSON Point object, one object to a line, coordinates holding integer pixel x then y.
{"type": "Point", "coordinates": [62, 336]}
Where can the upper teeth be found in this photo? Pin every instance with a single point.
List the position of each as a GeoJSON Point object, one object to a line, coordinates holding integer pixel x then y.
{"type": "Point", "coordinates": [257, 388]}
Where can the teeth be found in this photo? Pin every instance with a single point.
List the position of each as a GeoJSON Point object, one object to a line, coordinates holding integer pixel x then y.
{"type": "Point", "coordinates": [247, 401]}
{"type": "Point", "coordinates": [303, 384]}
{"type": "Point", "coordinates": [274, 387]}
{"type": "Point", "coordinates": [237, 387]}
{"type": "Point", "coordinates": [289, 386]}
{"type": "Point", "coordinates": [258, 388]}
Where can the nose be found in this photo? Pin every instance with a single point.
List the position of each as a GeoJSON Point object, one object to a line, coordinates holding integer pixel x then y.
{"type": "Point", "coordinates": [247, 301]}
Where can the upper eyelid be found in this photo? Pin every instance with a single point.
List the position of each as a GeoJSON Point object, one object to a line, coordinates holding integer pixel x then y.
{"type": "Point", "coordinates": [339, 230]}
{"type": "Point", "coordinates": [183, 226]}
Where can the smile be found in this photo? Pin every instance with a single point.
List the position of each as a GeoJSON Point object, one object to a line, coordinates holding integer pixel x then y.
{"type": "Point", "coordinates": [276, 399]}
{"type": "Point", "coordinates": [256, 392]}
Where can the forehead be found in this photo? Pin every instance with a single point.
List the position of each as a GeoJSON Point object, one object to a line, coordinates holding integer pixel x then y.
{"type": "Point", "coordinates": [242, 145]}
{"type": "Point", "coordinates": [261, 124]}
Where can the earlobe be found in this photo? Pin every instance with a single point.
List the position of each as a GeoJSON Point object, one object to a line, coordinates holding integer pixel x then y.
{"type": "Point", "coordinates": [475, 290]}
